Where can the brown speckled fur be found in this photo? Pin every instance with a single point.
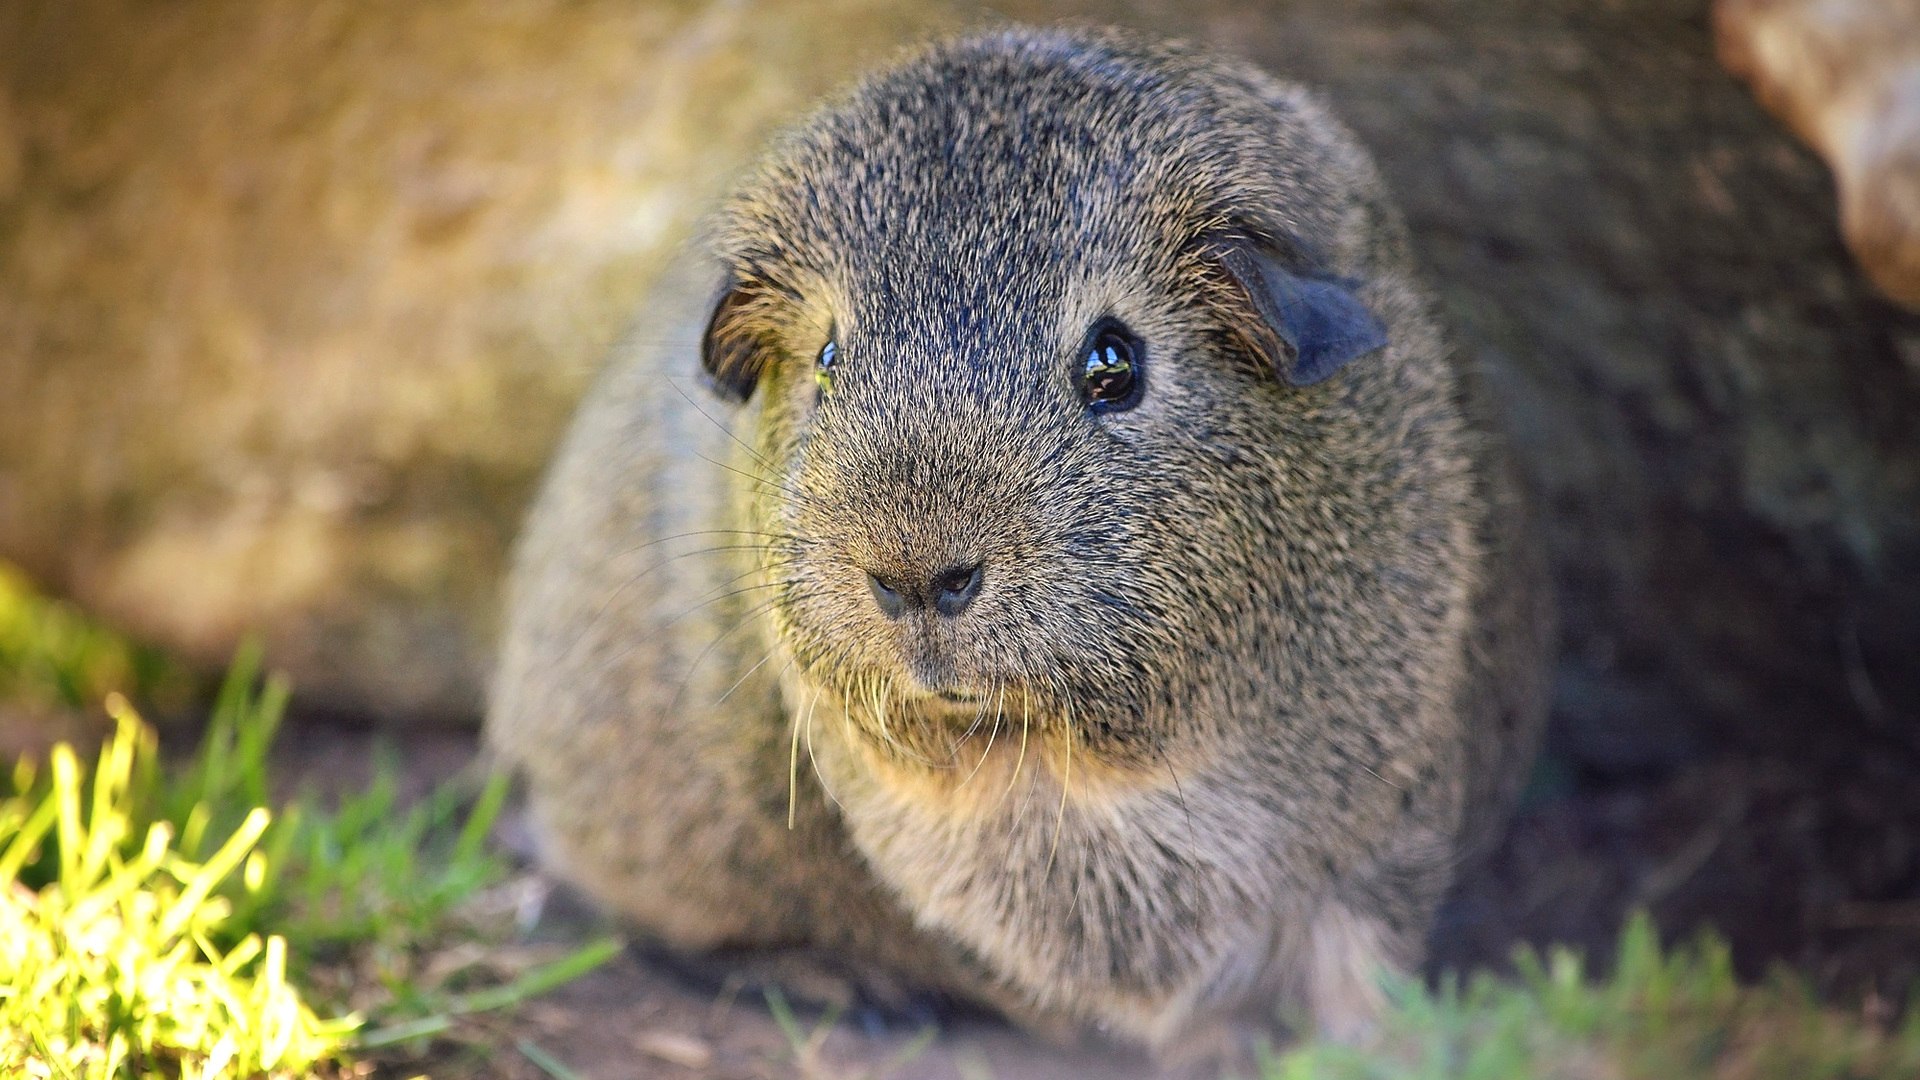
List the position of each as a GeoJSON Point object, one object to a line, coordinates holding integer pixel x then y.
{"type": "Point", "coordinates": [1252, 665]}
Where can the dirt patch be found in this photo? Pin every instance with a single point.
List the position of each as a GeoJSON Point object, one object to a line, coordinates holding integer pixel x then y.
{"type": "Point", "coordinates": [1805, 864]}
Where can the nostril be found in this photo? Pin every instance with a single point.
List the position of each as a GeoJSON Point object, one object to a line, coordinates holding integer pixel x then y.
{"type": "Point", "coordinates": [955, 588]}
{"type": "Point", "coordinates": [892, 603]}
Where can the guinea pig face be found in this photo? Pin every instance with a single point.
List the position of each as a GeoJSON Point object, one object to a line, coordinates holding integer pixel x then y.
{"type": "Point", "coordinates": [972, 510]}
{"type": "Point", "coordinates": [1031, 402]}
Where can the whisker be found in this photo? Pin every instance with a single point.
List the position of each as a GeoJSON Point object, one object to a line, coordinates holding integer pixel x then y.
{"type": "Point", "coordinates": [908, 751]}
{"type": "Point", "coordinates": [815, 762]}
{"type": "Point", "coordinates": [793, 768]}
{"type": "Point", "coordinates": [1026, 718]}
{"type": "Point", "coordinates": [729, 594]}
{"type": "Point", "coordinates": [752, 613]}
{"type": "Point", "coordinates": [1179, 793]}
{"type": "Point", "coordinates": [979, 717]}
{"type": "Point", "coordinates": [620, 590]}
{"type": "Point", "coordinates": [1066, 783]}
{"type": "Point", "coordinates": [724, 429]}
{"type": "Point", "coordinates": [744, 676]}
{"type": "Point", "coordinates": [1380, 778]}
{"type": "Point", "coordinates": [878, 706]}
{"type": "Point", "coordinates": [798, 496]}
{"type": "Point", "coordinates": [1000, 693]}
{"type": "Point", "coordinates": [762, 533]}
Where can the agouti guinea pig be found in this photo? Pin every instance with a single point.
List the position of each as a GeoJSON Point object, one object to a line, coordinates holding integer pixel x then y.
{"type": "Point", "coordinates": [1105, 598]}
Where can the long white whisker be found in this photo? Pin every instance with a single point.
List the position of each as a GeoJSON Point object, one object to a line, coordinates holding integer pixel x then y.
{"type": "Point", "coordinates": [1026, 724]}
{"type": "Point", "coordinates": [815, 761]}
{"type": "Point", "coordinates": [1066, 784]}
{"type": "Point", "coordinates": [793, 765]}
{"type": "Point", "coordinates": [1000, 702]}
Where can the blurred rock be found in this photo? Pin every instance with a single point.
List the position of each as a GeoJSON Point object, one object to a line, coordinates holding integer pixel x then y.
{"type": "Point", "coordinates": [1845, 75]}
{"type": "Point", "coordinates": [295, 296]}
{"type": "Point", "coordinates": [293, 304]}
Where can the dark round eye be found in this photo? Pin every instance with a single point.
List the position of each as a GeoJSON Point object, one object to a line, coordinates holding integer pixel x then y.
{"type": "Point", "coordinates": [823, 367]}
{"type": "Point", "coordinates": [1110, 370]}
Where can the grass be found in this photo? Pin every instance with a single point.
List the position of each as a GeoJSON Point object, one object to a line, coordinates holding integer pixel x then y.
{"type": "Point", "coordinates": [113, 965]}
{"type": "Point", "coordinates": [54, 658]}
{"type": "Point", "coordinates": [160, 922]}
{"type": "Point", "coordinates": [806, 1042]}
{"type": "Point", "coordinates": [1676, 1013]}
{"type": "Point", "coordinates": [1672, 1014]}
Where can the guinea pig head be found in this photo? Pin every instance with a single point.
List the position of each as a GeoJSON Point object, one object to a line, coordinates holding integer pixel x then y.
{"type": "Point", "coordinates": [1035, 362]}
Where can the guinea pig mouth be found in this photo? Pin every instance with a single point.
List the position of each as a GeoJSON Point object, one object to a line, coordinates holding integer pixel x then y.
{"type": "Point", "coordinates": [958, 702]}
{"type": "Point", "coordinates": [940, 692]}
{"type": "Point", "coordinates": [957, 708]}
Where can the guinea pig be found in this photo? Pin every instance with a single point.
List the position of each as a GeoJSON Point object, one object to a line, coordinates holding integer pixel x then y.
{"type": "Point", "coordinates": [1086, 582]}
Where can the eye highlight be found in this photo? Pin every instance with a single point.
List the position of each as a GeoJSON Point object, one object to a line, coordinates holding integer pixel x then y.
{"type": "Point", "coordinates": [1109, 373]}
{"type": "Point", "coordinates": [823, 366]}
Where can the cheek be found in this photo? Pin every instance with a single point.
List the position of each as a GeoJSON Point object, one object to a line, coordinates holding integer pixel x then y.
{"type": "Point", "coordinates": [790, 414]}
{"type": "Point", "coordinates": [794, 394]}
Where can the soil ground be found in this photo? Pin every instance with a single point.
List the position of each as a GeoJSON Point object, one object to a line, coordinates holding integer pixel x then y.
{"type": "Point", "coordinates": [1799, 864]}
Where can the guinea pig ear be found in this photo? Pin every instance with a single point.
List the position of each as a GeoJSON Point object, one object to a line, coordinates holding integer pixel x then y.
{"type": "Point", "coordinates": [1310, 326]}
{"type": "Point", "coordinates": [733, 349]}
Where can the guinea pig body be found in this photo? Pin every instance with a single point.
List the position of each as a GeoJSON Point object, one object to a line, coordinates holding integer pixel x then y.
{"type": "Point", "coordinates": [1109, 602]}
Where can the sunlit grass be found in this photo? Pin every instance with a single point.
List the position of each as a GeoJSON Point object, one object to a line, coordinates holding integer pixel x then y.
{"type": "Point", "coordinates": [112, 967]}
{"type": "Point", "coordinates": [165, 922]}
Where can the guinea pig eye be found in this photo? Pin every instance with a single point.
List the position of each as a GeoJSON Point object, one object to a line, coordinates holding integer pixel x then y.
{"type": "Point", "coordinates": [823, 367]}
{"type": "Point", "coordinates": [1110, 370]}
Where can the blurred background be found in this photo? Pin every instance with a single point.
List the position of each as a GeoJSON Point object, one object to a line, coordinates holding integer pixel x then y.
{"type": "Point", "coordinates": [296, 296]}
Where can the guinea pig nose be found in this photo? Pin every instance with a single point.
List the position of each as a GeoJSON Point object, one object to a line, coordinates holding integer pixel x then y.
{"type": "Point", "coordinates": [954, 588]}
{"type": "Point", "coordinates": [893, 603]}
